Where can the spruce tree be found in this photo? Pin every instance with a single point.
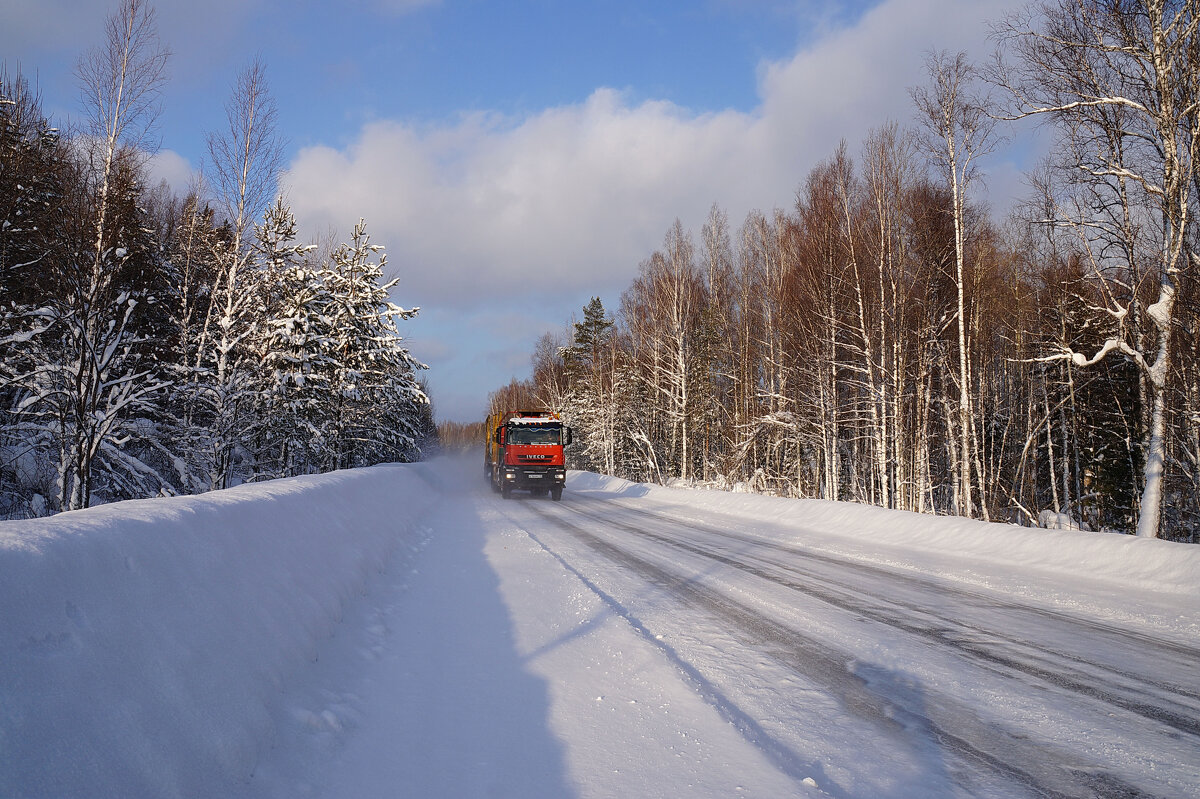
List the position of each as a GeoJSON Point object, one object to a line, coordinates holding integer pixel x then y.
{"type": "Point", "coordinates": [372, 385]}
{"type": "Point", "coordinates": [589, 403]}
{"type": "Point", "coordinates": [295, 341]}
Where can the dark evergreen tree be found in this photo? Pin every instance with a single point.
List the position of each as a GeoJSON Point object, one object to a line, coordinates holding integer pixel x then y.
{"type": "Point", "coordinates": [589, 405]}
{"type": "Point", "coordinates": [372, 385]}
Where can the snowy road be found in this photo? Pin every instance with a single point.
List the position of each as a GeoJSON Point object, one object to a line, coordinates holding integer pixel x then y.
{"type": "Point", "coordinates": [627, 643]}
{"type": "Point", "coordinates": [986, 695]}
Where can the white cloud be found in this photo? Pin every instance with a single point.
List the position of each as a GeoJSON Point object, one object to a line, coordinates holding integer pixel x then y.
{"type": "Point", "coordinates": [172, 167]}
{"type": "Point", "coordinates": [566, 202]}
{"type": "Point", "coordinates": [552, 201]}
{"type": "Point", "coordinates": [575, 196]}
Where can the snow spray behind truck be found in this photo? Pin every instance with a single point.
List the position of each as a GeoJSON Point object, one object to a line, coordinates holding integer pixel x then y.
{"type": "Point", "coordinates": [524, 451]}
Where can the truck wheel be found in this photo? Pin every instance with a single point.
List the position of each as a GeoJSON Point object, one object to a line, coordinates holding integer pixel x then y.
{"type": "Point", "coordinates": [556, 494]}
{"type": "Point", "coordinates": [506, 491]}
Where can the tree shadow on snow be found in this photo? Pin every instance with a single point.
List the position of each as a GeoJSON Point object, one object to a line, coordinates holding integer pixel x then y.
{"type": "Point", "coordinates": [475, 719]}
{"type": "Point", "coordinates": [449, 708]}
{"type": "Point", "coordinates": [920, 767]}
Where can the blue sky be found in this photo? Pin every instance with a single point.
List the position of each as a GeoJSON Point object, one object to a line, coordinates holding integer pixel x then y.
{"type": "Point", "coordinates": [517, 158]}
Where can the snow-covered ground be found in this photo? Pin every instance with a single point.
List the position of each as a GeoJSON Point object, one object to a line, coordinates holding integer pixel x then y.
{"type": "Point", "coordinates": [403, 631]}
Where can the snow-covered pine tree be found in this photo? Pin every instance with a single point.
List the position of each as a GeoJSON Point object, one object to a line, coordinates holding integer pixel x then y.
{"type": "Point", "coordinates": [32, 169]}
{"type": "Point", "coordinates": [372, 385]}
{"type": "Point", "coordinates": [295, 342]}
{"type": "Point", "coordinates": [96, 376]}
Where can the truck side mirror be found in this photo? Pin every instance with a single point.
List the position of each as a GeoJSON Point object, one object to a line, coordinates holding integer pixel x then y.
{"type": "Point", "coordinates": [499, 435]}
{"type": "Point", "coordinates": [568, 436]}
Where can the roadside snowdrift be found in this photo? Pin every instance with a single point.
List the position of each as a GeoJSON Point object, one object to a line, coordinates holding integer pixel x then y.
{"type": "Point", "coordinates": [142, 644]}
{"type": "Point", "coordinates": [923, 540]}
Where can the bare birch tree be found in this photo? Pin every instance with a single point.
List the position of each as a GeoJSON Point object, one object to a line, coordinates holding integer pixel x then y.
{"type": "Point", "coordinates": [887, 174]}
{"type": "Point", "coordinates": [720, 319]}
{"type": "Point", "coordinates": [1121, 82]}
{"type": "Point", "coordinates": [958, 131]}
{"type": "Point", "coordinates": [93, 385]}
{"type": "Point", "coordinates": [246, 161]}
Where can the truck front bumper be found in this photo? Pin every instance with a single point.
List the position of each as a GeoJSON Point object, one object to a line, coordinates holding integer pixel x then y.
{"type": "Point", "coordinates": [534, 477]}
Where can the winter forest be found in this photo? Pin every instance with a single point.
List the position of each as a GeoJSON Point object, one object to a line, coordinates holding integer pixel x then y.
{"type": "Point", "coordinates": [888, 341]}
{"type": "Point", "coordinates": [154, 344]}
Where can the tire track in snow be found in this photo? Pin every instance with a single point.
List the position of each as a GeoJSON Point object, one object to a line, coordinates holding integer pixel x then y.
{"type": "Point", "coordinates": [1021, 763]}
{"type": "Point", "coordinates": [1167, 706]}
{"type": "Point", "coordinates": [777, 752]}
{"type": "Point", "coordinates": [1186, 652]}
{"type": "Point", "coordinates": [1041, 770]}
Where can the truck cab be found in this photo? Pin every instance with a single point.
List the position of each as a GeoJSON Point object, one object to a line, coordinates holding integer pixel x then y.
{"type": "Point", "coordinates": [525, 453]}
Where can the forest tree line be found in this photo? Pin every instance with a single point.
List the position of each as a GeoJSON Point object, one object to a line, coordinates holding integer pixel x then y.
{"type": "Point", "coordinates": [155, 344]}
{"type": "Point", "coordinates": [887, 341]}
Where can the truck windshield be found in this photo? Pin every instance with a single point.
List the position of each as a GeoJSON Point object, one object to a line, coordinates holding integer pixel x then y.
{"type": "Point", "coordinates": [534, 434]}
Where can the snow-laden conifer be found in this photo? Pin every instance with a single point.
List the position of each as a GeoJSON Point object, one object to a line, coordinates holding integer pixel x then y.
{"type": "Point", "coordinates": [591, 402]}
{"type": "Point", "coordinates": [296, 341]}
{"type": "Point", "coordinates": [93, 376]}
{"type": "Point", "coordinates": [371, 383]}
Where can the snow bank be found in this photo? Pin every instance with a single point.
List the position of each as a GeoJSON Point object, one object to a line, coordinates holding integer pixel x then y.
{"type": "Point", "coordinates": [144, 644]}
{"type": "Point", "coordinates": [890, 535]}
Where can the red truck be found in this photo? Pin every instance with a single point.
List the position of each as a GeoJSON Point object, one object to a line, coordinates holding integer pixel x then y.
{"type": "Point", "coordinates": [524, 451]}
